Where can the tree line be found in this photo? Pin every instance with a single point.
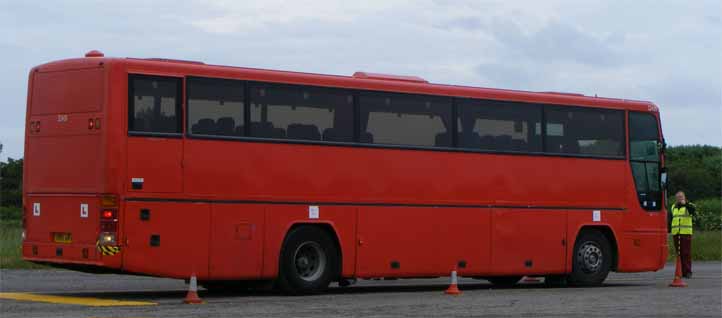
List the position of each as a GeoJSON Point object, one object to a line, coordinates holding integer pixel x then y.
{"type": "Point", "coordinates": [696, 170]}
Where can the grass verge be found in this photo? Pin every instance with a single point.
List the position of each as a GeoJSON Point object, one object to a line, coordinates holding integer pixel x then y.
{"type": "Point", "coordinates": [706, 246]}
{"type": "Point", "coordinates": [10, 231]}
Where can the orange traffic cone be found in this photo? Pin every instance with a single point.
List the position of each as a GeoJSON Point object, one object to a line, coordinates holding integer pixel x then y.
{"type": "Point", "coordinates": [529, 279]}
{"type": "Point", "coordinates": [192, 296]}
{"type": "Point", "coordinates": [453, 288]}
{"type": "Point", "coordinates": [678, 282]}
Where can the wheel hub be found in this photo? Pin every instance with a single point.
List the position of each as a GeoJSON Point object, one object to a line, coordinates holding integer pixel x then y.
{"type": "Point", "coordinates": [590, 257]}
{"type": "Point", "coordinates": [310, 261]}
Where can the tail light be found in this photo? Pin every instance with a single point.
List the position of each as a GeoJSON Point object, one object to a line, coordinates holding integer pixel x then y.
{"type": "Point", "coordinates": [108, 220]}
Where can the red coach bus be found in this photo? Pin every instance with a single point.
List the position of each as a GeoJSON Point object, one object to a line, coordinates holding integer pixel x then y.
{"type": "Point", "coordinates": [169, 168]}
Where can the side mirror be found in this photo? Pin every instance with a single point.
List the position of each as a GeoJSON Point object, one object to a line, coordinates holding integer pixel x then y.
{"type": "Point", "coordinates": [662, 146]}
{"type": "Point", "coordinates": [663, 177]}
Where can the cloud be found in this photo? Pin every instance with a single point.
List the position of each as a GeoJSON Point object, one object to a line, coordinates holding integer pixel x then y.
{"type": "Point", "coordinates": [668, 53]}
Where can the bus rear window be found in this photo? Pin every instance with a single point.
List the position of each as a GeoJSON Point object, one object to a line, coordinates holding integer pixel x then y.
{"type": "Point", "coordinates": [72, 91]}
{"type": "Point", "coordinates": [154, 104]}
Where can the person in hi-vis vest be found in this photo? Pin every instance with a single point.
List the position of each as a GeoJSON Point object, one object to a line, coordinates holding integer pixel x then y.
{"type": "Point", "coordinates": [679, 223]}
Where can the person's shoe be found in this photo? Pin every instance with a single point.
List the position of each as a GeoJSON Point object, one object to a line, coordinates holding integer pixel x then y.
{"type": "Point", "coordinates": [688, 275]}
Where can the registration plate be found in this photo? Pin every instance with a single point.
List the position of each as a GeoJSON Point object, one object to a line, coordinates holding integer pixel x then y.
{"type": "Point", "coordinates": [62, 238]}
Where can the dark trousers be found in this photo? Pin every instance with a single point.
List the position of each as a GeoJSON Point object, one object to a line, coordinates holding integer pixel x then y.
{"type": "Point", "coordinates": [683, 246]}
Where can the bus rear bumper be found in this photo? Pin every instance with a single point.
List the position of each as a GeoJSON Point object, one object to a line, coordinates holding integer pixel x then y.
{"type": "Point", "coordinates": [68, 254]}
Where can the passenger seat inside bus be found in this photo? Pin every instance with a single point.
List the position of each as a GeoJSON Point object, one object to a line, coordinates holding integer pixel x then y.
{"type": "Point", "coordinates": [226, 126]}
{"type": "Point", "coordinates": [305, 132]}
{"type": "Point", "coordinates": [470, 140]}
{"type": "Point", "coordinates": [266, 129]}
{"type": "Point", "coordinates": [205, 126]}
{"type": "Point", "coordinates": [333, 134]}
{"type": "Point", "coordinates": [443, 139]}
{"type": "Point", "coordinates": [502, 142]}
{"type": "Point", "coordinates": [486, 142]}
{"type": "Point", "coordinates": [366, 137]}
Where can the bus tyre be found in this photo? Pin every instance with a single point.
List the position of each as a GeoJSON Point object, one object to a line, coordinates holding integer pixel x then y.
{"type": "Point", "coordinates": [591, 260]}
{"type": "Point", "coordinates": [504, 281]}
{"type": "Point", "coordinates": [309, 261]}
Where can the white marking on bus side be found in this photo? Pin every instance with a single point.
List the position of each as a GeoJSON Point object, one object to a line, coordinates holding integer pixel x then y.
{"type": "Point", "coordinates": [83, 210]}
{"type": "Point", "coordinates": [136, 180]}
{"type": "Point", "coordinates": [36, 208]}
{"type": "Point", "coordinates": [313, 212]}
{"type": "Point", "coordinates": [597, 216]}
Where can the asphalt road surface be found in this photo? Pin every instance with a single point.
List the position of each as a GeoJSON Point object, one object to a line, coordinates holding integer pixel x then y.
{"type": "Point", "coordinates": [623, 295]}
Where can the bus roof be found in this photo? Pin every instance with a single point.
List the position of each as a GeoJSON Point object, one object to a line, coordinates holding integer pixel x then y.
{"type": "Point", "coordinates": [359, 80]}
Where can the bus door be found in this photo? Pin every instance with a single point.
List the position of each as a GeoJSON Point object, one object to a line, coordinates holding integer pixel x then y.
{"type": "Point", "coordinates": [155, 143]}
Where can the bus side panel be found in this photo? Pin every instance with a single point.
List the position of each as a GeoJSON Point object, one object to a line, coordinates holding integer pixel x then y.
{"type": "Point", "coordinates": [342, 219]}
{"type": "Point", "coordinates": [236, 246]}
{"type": "Point", "coordinates": [171, 242]}
{"type": "Point", "coordinates": [157, 162]}
{"type": "Point", "coordinates": [642, 231]}
{"type": "Point", "coordinates": [422, 241]}
{"type": "Point", "coordinates": [528, 241]}
{"type": "Point", "coordinates": [641, 251]}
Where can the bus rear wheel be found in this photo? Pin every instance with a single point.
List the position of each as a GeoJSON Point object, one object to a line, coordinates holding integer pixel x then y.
{"type": "Point", "coordinates": [592, 259]}
{"type": "Point", "coordinates": [309, 261]}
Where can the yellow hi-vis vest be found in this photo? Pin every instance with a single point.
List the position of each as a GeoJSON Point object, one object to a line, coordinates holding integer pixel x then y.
{"type": "Point", "coordinates": [681, 221]}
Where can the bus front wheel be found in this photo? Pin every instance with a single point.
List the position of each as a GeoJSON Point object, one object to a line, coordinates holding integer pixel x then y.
{"type": "Point", "coordinates": [592, 259]}
{"type": "Point", "coordinates": [309, 261]}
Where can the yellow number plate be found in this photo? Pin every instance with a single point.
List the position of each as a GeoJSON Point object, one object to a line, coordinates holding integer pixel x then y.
{"type": "Point", "coordinates": [62, 238]}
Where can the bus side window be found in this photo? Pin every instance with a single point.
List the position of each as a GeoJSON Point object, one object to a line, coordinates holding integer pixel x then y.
{"type": "Point", "coordinates": [405, 119]}
{"type": "Point", "coordinates": [499, 126]}
{"type": "Point", "coordinates": [215, 106]}
{"type": "Point", "coordinates": [283, 111]}
{"type": "Point", "coordinates": [154, 104]}
{"type": "Point", "coordinates": [584, 131]}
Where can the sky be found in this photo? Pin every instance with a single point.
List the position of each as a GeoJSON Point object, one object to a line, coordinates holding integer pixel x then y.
{"type": "Point", "coordinates": [667, 52]}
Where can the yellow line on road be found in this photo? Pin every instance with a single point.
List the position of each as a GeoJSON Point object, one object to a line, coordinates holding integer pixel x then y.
{"type": "Point", "coordinates": [86, 301]}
